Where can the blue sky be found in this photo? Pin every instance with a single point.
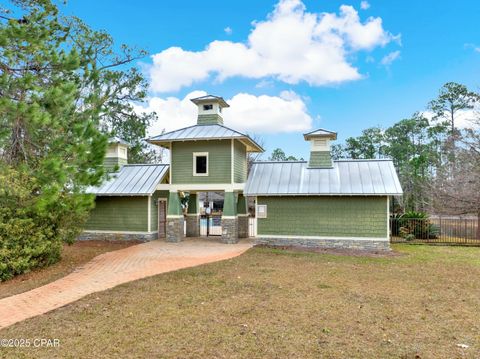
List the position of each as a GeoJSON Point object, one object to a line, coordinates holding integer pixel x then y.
{"type": "Point", "coordinates": [429, 43]}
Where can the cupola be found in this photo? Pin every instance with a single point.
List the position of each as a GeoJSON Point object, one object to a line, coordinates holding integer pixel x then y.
{"type": "Point", "coordinates": [117, 154]}
{"type": "Point", "coordinates": [210, 109]}
{"type": "Point", "coordinates": [320, 150]}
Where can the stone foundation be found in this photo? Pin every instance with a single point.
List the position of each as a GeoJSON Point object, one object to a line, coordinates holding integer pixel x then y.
{"type": "Point", "coordinates": [174, 229]}
{"type": "Point", "coordinates": [361, 244]}
{"type": "Point", "coordinates": [242, 226]}
{"type": "Point", "coordinates": [109, 236]}
{"type": "Point", "coordinates": [230, 230]}
{"type": "Point", "coordinates": [193, 226]}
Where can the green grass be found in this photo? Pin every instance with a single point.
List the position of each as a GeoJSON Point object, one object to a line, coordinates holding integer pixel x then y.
{"type": "Point", "coordinates": [272, 303]}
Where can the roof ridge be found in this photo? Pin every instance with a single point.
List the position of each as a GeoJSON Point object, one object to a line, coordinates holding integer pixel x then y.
{"type": "Point", "coordinates": [362, 159]}
{"type": "Point", "coordinates": [145, 164]}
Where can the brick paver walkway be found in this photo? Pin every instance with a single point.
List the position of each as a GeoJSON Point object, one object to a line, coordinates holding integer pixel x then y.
{"type": "Point", "coordinates": [114, 268]}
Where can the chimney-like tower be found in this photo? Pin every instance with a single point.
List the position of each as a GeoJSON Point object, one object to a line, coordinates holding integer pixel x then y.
{"type": "Point", "coordinates": [116, 156]}
{"type": "Point", "coordinates": [320, 152]}
{"type": "Point", "coordinates": [210, 109]}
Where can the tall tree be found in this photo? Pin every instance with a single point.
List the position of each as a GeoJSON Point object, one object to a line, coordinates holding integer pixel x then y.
{"type": "Point", "coordinates": [452, 98]}
{"type": "Point", "coordinates": [279, 155]}
{"type": "Point", "coordinates": [57, 92]}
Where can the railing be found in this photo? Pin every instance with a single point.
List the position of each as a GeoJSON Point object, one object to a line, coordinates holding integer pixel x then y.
{"type": "Point", "coordinates": [446, 230]}
{"type": "Point", "coordinates": [252, 226]}
{"type": "Point", "coordinates": [211, 225]}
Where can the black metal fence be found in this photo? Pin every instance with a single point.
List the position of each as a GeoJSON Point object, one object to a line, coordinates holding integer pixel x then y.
{"type": "Point", "coordinates": [442, 230]}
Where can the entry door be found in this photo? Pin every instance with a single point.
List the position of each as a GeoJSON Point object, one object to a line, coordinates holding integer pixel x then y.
{"type": "Point", "coordinates": [162, 218]}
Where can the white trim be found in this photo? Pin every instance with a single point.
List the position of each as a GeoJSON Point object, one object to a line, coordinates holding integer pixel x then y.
{"type": "Point", "coordinates": [170, 168]}
{"type": "Point", "coordinates": [300, 194]}
{"type": "Point", "coordinates": [193, 214]}
{"type": "Point", "coordinates": [326, 238]}
{"type": "Point", "coordinates": [229, 217]}
{"type": "Point", "coordinates": [265, 212]}
{"type": "Point", "coordinates": [232, 161]}
{"type": "Point", "coordinates": [225, 187]}
{"type": "Point", "coordinates": [388, 216]}
{"type": "Point", "coordinates": [255, 229]}
{"type": "Point", "coordinates": [118, 232]}
{"type": "Point", "coordinates": [243, 215]}
{"type": "Point", "coordinates": [174, 215]}
{"type": "Point", "coordinates": [149, 214]}
{"type": "Point", "coordinates": [195, 155]}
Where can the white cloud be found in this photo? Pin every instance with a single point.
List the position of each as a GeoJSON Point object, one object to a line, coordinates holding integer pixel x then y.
{"type": "Point", "coordinates": [364, 5]}
{"type": "Point", "coordinates": [228, 30]}
{"type": "Point", "coordinates": [249, 113]}
{"type": "Point", "coordinates": [390, 58]}
{"type": "Point", "coordinates": [291, 45]}
{"type": "Point", "coordinates": [463, 118]}
{"type": "Point", "coordinates": [474, 47]}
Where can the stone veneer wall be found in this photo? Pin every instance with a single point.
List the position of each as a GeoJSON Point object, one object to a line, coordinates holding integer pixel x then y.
{"type": "Point", "coordinates": [174, 229]}
{"type": "Point", "coordinates": [364, 244]}
{"type": "Point", "coordinates": [193, 226]}
{"type": "Point", "coordinates": [242, 226]}
{"type": "Point", "coordinates": [117, 236]}
{"type": "Point", "coordinates": [230, 230]}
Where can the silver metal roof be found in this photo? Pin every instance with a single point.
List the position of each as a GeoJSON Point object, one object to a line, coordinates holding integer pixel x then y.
{"type": "Point", "coordinates": [205, 132]}
{"type": "Point", "coordinates": [132, 180]}
{"type": "Point", "coordinates": [346, 178]}
{"type": "Point", "coordinates": [210, 98]}
{"type": "Point", "coordinates": [321, 132]}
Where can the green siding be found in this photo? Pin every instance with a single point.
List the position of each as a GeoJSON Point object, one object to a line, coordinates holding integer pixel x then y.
{"type": "Point", "coordinates": [154, 208]}
{"type": "Point", "coordinates": [320, 159]}
{"type": "Point", "coordinates": [239, 162]}
{"type": "Point", "coordinates": [324, 216]}
{"type": "Point", "coordinates": [229, 204]}
{"type": "Point", "coordinates": [127, 214]}
{"type": "Point", "coordinates": [113, 163]}
{"type": "Point", "coordinates": [174, 206]}
{"type": "Point", "coordinates": [219, 161]}
{"type": "Point", "coordinates": [213, 119]}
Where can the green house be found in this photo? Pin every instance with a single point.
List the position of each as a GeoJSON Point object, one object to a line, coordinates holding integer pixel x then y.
{"type": "Point", "coordinates": [319, 202]}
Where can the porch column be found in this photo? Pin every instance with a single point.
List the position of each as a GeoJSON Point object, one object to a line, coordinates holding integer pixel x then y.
{"type": "Point", "coordinates": [174, 218]}
{"type": "Point", "coordinates": [229, 219]}
{"type": "Point", "coordinates": [193, 216]}
{"type": "Point", "coordinates": [242, 213]}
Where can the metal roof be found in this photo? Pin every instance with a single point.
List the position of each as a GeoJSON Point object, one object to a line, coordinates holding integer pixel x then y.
{"type": "Point", "coordinates": [205, 132]}
{"type": "Point", "coordinates": [119, 140]}
{"type": "Point", "coordinates": [321, 132]}
{"type": "Point", "coordinates": [346, 178]}
{"type": "Point", "coordinates": [132, 180]}
{"type": "Point", "coordinates": [210, 98]}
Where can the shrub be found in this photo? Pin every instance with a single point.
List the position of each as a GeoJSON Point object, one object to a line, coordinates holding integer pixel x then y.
{"type": "Point", "coordinates": [29, 238]}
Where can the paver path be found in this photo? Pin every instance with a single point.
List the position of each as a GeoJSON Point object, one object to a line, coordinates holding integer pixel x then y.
{"type": "Point", "coordinates": [113, 268]}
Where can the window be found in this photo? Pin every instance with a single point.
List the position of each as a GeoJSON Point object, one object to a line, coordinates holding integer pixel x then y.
{"type": "Point", "coordinates": [261, 211]}
{"type": "Point", "coordinates": [200, 163]}
{"type": "Point", "coordinates": [207, 107]}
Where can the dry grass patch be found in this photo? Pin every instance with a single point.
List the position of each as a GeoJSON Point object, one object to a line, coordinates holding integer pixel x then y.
{"type": "Point", "coordinates": [271, 303]}
{"type": "Point", "coordinates": [73, 256]}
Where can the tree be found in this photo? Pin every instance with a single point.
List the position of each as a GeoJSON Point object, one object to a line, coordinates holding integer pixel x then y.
{"type": "Point", "coordinates": [452, 98]}
{"type": "Point", "coordinates": [279, 155]}
{"type": "Point", "coordinates": [121, 89]}
{"type": "Point", "coordinates": [57, 92]}
{"type": "Point", "coordinates": [368, 145]}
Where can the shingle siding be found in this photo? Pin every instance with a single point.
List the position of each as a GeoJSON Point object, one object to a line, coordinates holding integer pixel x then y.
{"type": "Point", "coordinates": [320, 159]}
{"type": "Point", "coordinates": [129, 214]}
{"type": "Point", "coordinates": [239, 162]}
{"type": "Point", "coordinates": [219, 161]}
{"type": "Point", "coordinates": [324, 216]}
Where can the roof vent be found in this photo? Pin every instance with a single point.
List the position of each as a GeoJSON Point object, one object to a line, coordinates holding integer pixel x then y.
{"type": "Point", "coordinates": [320, 152]}
{"type": "Point", "coordinates": [210, 109]}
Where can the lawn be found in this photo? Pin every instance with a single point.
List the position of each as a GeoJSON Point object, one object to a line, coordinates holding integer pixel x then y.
{"type": "Point", "coordinates": [73, 256]}
{"type": "Point", "coordinates": [279, 304]}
